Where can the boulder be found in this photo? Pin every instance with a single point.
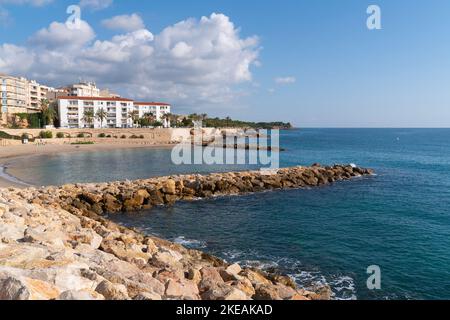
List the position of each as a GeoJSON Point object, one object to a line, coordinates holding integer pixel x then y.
{"type": "Point", "coordinates": [24, 288]}
{"type": "Point", "coordinates": [82, 295]}
{"type": "Point", "coordinates": [12, 231]}
{"type": "Point", "coordinates": [256, 278]}
{"type": "Point", "coordinates": [224, 292]}
{"type": "Point", "coordinates": [166, 257]}
{"type": "Point", "coordinates": [112, 291]}
{"type": "Point", "coordinates": [156, 197]}
{"type": "Point", "coordinates": [111, 204]}
{"type": "Point", "coordinates": [169, 187]}
{"type": "Point", "coordinates": [210, 279]}
{"type": "Point", "coordinates": [181, 289]}
{"type": "Point", "coordinates": [91, 198]}
{"type": "Point", "coordinates": [194, 275]}
{"type": "Point", "coordinates": [266, 292]}
{"type": "Point", "coordinates": [148, 296]}
{"type": "Point", "coordinates": [12, 288]}
{"type": "Point", "coordinates": [321, 293]}
{"type": "Point", "coordinates": [244, 285]}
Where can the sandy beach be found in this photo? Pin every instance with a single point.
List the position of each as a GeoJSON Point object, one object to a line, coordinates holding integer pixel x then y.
{"type": "Point", "coordinates": [9, 153]}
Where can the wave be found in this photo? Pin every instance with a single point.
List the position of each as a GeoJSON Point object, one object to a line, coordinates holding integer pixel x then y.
{"type": "Point", "coordinates": [342, 286]}
{"type": "Point", "coordinates": [189, 243]}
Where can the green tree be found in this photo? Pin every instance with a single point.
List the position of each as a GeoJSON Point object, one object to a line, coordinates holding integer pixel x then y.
{"type": "Point", "coordinates": [134, 116]}
{"type": "Point", "coordinates": [48, 112]}
{"type": "Point", "coordinates": [101, 116]}
{"type": "Point", "coordinates": [88, 117]}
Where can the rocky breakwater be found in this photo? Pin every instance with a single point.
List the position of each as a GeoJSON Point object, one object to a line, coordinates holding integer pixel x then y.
{"type": "Point", "coordinates": [128, 196]}
{"type": "Point", "coordinates": [55, 243]}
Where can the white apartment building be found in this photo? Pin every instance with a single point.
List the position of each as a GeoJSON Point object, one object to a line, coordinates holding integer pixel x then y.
{"type": "Point", "coordinates": [158, 109]}
{"type": "Point", "coordinates": [83, 89]}
{"type": "Point", "coordinates": [119, 110]}
{"type": "Point", "coordinates": [72, 111]}
{"type": "Point", "coordinates": [20, 95]}
{"type": "Point", "coordinates": [13, 95]}
{"type": "Point", "coordinates": [36, 93]}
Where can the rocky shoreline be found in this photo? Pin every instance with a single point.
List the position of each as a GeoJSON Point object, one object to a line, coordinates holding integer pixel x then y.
{"type": "Point", "coordinates": [55, 242]}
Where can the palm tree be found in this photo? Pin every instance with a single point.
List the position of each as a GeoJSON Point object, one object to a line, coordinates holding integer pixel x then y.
{"type": "Point", "coordinates": [167, 117]}
{"type": "Point", "coordinates": [173, 119]}
{"type": "Point", "coordinates": [195, 117]}
{"type": "Point", "coordinates": [48, 112]}
{"type": "Point", "coordinates": [88, 117]}
{"type": "Point", "coordinates": [134, 116]}
{"type": "Point", "coordinates": [101, 116]}
{"type": "Point", "coordinates": [228, 119]}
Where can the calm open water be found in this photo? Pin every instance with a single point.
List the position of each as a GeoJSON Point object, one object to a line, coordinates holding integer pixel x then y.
{"type": "Point", "coordinates": [399, 219]}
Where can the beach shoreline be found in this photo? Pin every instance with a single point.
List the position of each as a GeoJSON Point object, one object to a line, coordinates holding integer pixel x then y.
{"type": "Point", "coordinates": [10, 153]}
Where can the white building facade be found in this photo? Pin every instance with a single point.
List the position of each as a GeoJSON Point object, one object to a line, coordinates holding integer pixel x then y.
{"type": "Point", "coordinates": [72, 112]}
{"type": "Point", "coordinates": [84, 89]}
{"type": "Point", "coordinates": [119, 112]}
{"type": "Point", "coordinates": [158, 109]}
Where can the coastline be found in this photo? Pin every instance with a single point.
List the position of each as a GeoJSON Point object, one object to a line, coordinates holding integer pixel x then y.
{"type": "Point", "coordinates": [9, 153]}
{"type": "Point", "coordinates": [57, 242]}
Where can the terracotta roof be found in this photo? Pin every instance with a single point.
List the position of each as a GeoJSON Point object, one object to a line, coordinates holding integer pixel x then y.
{"type": "Point", "coordinates": [94, 98]}
{"type": "Point", "coordinates": [151, 104]}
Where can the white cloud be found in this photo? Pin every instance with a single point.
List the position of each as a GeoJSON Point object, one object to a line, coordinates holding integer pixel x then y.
{"type": "Point", "coordinates": [124, 22]}
{"type": "Point", "coordinates": [285, 80]}
{"type": "Point", "coordinates": [96, 4]}
{"type": "Point", "coordinates": [192, 63]}
{"type": "Point", "coordinates": [14, 59]}
{"type": "Point", "coordinates": [59, 35]}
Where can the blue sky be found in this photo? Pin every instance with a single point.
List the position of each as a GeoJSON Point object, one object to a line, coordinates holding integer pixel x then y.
{"type": "Point", "coordinates": [336, 72]}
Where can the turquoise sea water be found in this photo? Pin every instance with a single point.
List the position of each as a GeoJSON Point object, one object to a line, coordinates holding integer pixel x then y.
{"type": "Point", "coordinates": [398, 220]}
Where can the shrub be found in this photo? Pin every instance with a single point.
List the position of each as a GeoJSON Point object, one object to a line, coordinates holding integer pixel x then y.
{"type": "Point", "coordinates": [25, 136]}
{"type": "Point", "coordinates": [45, 135]}
{"type": "Point", "coordinates": [109, 136]}
{"type": "Point", "coordinates": [82, 143]}
{"type": "Point", "coordinates": [102, 135]}
{"type": "Point", "coordinates": [60, 135]}
{"type": "Point", "coordinates": [141, 136]}
{"type": "Point", "coordinates": [133, 137]}
{"type": "Point", "coordinates": [80, 135]}
{"type": "Point", "coordinates": [123, 137]}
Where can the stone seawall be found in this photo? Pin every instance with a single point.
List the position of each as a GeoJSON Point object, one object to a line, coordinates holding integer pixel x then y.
{"type": "Point", "coordinates": [55, 244]}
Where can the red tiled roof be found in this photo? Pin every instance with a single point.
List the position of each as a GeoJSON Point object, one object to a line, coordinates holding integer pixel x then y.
{"type": "Point", "coordinates": [94, 98]}
{"type": "Point", "coordinates": [151, 104]}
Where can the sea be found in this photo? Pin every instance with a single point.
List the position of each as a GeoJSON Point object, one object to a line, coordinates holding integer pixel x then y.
{"type": "Point", "coordinates": [397, 220]}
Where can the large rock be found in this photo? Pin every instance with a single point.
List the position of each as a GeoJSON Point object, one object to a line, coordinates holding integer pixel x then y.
{"type": "Point", "coordinates": [112, 291]}
{"type": "Point", "coordinates": [167, 258]}
{"type": "Point", "coordinates": [23, 288]}
{"type": "Point", "coordinates": [210, 279]}
{"type": "Point", "coordinates": [13, 289]}
{"type": "Point", "coordinates": [112, 205]}
{"type": "Point", "coordinates": [169, 187]}
{"type": "Point", "coordinates": [266, 292]}
{"type": "Point", "coordinates": [12, 231]}
{"type": "Point", "coordinates": [181, 289]}
{"type": "Point", "coordinates": [224, 292]}
{"type": "Point", "coordinates": [82, 295]}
